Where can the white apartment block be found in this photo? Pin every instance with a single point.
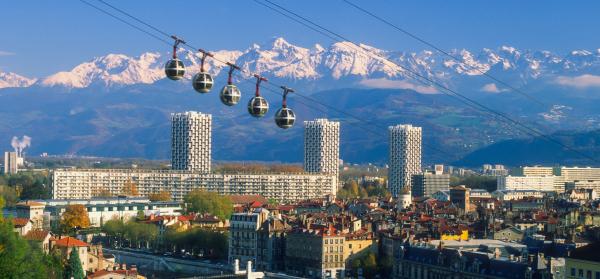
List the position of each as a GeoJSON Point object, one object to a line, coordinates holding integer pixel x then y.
{"type": "Point", "coordinates": [404, 156]}
{"type": "Point", "coordinates": [11, 162]}
{"type": "Point", "coordinates": [86, 183]}
{"type": "Point", "coordinates": [191, 141]}
{"type": "Point", "coordinates": [575, 173]}
{"type": "Point", "coordinates": [538, 171]}
{"type": "Point", "coordinates": [538, 183]}
{"type": "Point", "coordinates": [509, 195]}
{"type": "Point", "coordinates": [322, 146]}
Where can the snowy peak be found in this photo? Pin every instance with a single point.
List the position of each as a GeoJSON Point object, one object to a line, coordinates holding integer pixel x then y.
{"type": "Point", "coordinates": [109, 70]}
{"type": "Point", "coordinates": [8, 80]}
{"type": "Point", "coordinates": [354, 64]}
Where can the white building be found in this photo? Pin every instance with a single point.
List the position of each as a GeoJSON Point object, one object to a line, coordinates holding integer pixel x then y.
{"type": "Point", "coordinates": [11, 162]}
{"type": "Point", "coordinates": [99, 210]}
{"type": "Point", "coordinates": [538, 183]}
{"type": "Point", "coordinates": [191, 141]}
{"type": "Point", "coordinates": [404, 156]}
{"type": "Point", "coordinates": [87, 183]}
{"type": "Point", "coordinates": [576, 173]}
{"type": "Point", "coordinates": [538, 171]}
{"type": "Point", "coordinates": [508, 195]}
{"type": "Point", "coordinates": [322, 146]}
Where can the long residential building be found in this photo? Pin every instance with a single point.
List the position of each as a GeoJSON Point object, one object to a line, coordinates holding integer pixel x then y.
{"type": "Point", "coordinates": [284, 187]}
{"type": "Point", "coordinates": [539, 183]}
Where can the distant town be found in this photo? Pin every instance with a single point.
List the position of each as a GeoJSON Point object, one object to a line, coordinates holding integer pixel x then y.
{"type": "Point", "coordinates": [194, 218]}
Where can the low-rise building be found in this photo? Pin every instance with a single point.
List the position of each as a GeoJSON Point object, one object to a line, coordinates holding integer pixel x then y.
{"type": "Point", "coordinates": [315, 253]}
{"type": "Point", "coordinates": [508, 195]}
{"type": "Point", "coordinates": [583, 262]}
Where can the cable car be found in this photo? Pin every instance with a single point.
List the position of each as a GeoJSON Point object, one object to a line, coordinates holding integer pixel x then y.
{"type": "Point", "coordinates": [285, 117]}
{"type": "Point", "coordinates": [230, 94]}
{"type": "Point", "coordinates": [203, 81]}
{"type": "Point", "coordinates": [258, 106]}
{"type": "Point", "coordinates": [174, 68]}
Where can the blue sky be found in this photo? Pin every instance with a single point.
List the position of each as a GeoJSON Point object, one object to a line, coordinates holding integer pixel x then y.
{"type": "Point", "coordinates": [42, 37]}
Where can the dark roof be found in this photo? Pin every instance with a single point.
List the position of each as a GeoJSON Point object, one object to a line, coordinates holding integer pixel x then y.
{"type": "Point", "coordinates": [587, 253]}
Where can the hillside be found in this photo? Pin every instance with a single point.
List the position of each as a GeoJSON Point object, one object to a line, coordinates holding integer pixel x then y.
{"type": "Point", "coordinates": [520, 152]}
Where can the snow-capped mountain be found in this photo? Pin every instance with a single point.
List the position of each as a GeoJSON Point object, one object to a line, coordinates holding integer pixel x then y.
{"type": "Point", "coordinates": [13, 80]}
{"type": "Point", "coordinates": [341, 64]}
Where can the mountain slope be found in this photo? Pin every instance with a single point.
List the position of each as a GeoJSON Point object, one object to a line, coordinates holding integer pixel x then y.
{"type": "Point", "coordinates": [520, 152]}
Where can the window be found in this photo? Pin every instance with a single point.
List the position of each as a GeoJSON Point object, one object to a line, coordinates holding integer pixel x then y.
{"type": "Point", "coordinates": [580, 272]}
{"type": "Point", "coordinates": [588, 274]}
{"type": "Point", "coordinates": [597, 274]}
{"type": "Point", "coordinates": [572, 271]}
{"type": "Point", "coordinates": [350, 246]}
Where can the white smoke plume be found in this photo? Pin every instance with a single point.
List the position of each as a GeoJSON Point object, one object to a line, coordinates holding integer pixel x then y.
{"type": "Point", "coordinates": [20, 145]}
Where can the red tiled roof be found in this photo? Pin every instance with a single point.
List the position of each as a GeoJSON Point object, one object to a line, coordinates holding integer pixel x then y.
{"type": "Point", "coordinates": [246, 199]}
{"type": "Point", "coordinates": [20, 222]}
{"type": "Point", "coordinates": [38, 235]}
{"type": "Point", "coordinates": [70, 242]}
{"type": "Point", "coordinates": [101, 273]}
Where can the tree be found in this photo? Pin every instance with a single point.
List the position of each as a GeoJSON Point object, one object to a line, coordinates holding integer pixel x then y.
{"type": "Point", "coordinates": [160, 196]}
{"type": "Point", "coordinates": [369, 265]}
{"type": "Point", "coordinates": [75, 217]}
{"type": "Point", "coordinates": [130, 189]}
{"type": "Point", "coordinates": [73, 269]}
{"type": "Point", "coordinates": [115, 229]}
{"type": "Point", "coordinates": [202, 202]}
{"type": "Point", "coordinates": [20, 260]}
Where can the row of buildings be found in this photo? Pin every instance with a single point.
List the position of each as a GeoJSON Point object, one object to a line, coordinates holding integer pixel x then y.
{"type": "Point", "coordinates": [191, 166]}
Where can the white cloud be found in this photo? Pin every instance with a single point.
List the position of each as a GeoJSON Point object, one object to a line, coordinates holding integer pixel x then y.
{"type": "Point", "coordinates": [6, 53]}
{"type": "Point", "coordinates": [492, 88]}
{"type": "Point", "coordinates": [397, 84]}
{"type": "Point", "coordinates": [580, 82]}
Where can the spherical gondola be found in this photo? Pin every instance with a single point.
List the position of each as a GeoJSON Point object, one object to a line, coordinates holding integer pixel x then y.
{"type": "Point", "coordinates": [258, 106]}
{"type": "Point", "coordinates": [174, 68]}
{"type": "Point", "coordinates": [202, 82]}
{"type": "Point", "coordinates": [230, 94]}
{"type": "Point", "coordinates": [284, 118]}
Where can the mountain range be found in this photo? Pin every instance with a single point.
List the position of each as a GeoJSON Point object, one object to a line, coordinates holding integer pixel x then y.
{"type": "Point", "coordinates": [118, 105]}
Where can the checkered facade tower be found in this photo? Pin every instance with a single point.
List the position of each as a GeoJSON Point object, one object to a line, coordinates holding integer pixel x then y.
{"type": "Point", "coordinates": [404, 157]}
{"type": "Point", "coordinates": [191, 141]}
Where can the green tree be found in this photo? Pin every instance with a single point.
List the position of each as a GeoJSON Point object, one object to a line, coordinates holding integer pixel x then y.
{"type": "Point", "coordinates": [200, 201]}
{"type": "Point", "coordinates": [73, 269]}
{"type": "Point", "coordinates": [20, 260]}
{"type": "Point", "coordinates": [115, 230]}
{"type": "Point", "coordinates": [369, 265]}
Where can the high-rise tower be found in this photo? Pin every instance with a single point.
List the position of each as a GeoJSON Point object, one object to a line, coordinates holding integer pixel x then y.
{"type": "Point", "coordinates": [404, 157]}
{"type": "Point", "coordinates": [191, 141]}
{"type": "Point", "coordinates": [322, 146]}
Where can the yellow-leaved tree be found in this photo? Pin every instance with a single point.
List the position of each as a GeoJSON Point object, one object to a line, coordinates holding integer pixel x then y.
{"type": "Point", "coordinates": [75, 218]}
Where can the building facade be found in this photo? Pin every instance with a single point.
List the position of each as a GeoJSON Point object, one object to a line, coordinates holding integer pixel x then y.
{"type": "Point", "coordinates": [404, 156]}
{"type": "Point", "coordinates": [11, 164]}
{"type": "Point", "coordinates": [538, 171]}
{"type": "Point", "coordinates": [538, 183]}
{"type": "Point", "coordinates": [191, 141]}
{"type": "Point", "coordinates": [315, 253]}
{"type": "Point", "coordinates": [426, 184]}
{"type": "Point", "coordinates": [322, 146]}
{"type": "Point", "coordinates": [244, 235]}
{"type": "Point", "coordinates": [285, 187]}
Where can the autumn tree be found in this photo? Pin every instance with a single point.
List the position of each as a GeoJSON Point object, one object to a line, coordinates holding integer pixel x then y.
{"type": "Point", "coordinates": [160, 196]}
{"type": "Point", "coordinates": [130, 189]}
{"type": "Point", "coordinates": [75, 217]}
{"type": "Point", "coordinates": [202, 202]}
